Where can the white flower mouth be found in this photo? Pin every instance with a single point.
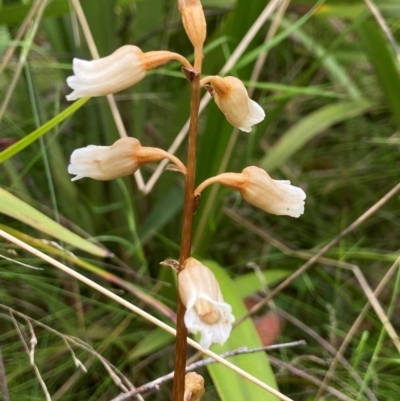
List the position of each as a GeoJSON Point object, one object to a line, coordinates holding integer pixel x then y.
{"type": "Point", "coordinates": [206, 311]}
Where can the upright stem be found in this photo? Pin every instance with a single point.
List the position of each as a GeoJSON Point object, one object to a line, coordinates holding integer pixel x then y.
{"type": "Point", "coordinates": [186, 241]}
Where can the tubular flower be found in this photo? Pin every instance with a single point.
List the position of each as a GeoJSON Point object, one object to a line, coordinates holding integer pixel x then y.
{"type": "Point", "coordinates": [273, 196]}
{"type": "Point", "coordinates": [206, 311]}
{"type": "Point", "coordinates": [123, 158]}
{"type": "Point", "coordinates": [259, 189]}
{"type": "Point", "coordinates": [233, 100]}
{"type": "Point", "coordinates": [123, 68]}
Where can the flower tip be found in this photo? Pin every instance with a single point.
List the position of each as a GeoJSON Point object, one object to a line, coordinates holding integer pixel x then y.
{"type": "Point", "coordinates": [71, 97]}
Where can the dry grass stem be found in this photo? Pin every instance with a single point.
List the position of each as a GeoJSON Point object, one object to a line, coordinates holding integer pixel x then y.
{"type": "Point", "coordinates": [21, 30]}
{"type": "Point", "coordinates": [355, 326]}
{"type": "Point", "coordinates": [140, 312]}
{"type": "Point", "coordinates": [322, 252]}
{"type": "Point", "coordinates": [30, 36]}
{"type": "Point", "coordinates": [31, 353]}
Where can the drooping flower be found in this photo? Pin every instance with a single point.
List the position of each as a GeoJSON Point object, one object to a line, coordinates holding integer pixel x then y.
{"type": "Point", "coordinates": [232, 98]}
{"type": "Point", "coordinates": [120, 70]}
{"type": "Point", "coordinates": [274, 196]}
{"type": "Point", "coordinates": [123, 158]}
{"type": "Point", "coordinates": [206, 311]}
{"type": "Point", "coordinates": [259, 189]}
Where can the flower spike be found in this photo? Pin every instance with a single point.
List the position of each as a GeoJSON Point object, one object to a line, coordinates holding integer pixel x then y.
{"type": "Point", "coordinates": [232, 98]}
{"type": "Point", "coordinates": [123, 68]}
{"type": "Point", "coordinates": [206, 311]}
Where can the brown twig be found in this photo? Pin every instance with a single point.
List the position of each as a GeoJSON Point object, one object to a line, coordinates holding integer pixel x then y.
{"type": "Point", "coordinates": [240, 351]}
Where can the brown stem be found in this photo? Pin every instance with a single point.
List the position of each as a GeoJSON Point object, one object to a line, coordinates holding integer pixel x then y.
{"type": "Point", "coordinates": [232, 180]}
{"type": "Point", "coordinates": [186, 241]}
{"type": "Point", "coordinates": [147, 154]}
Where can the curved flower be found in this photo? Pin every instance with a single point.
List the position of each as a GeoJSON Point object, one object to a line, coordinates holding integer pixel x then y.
{"type": "Point", "coordinates": [123, 158]}
{"type": "Point", "coordinates": [258, 188]}
{"type": "Point", "coordinates": [105, 162]}
{"type": "Point", "coordinates": [123, 68]}
{"type": "Point", "coordinates": [206, 311]}
{"type": "Point", "coordinates": [274, 196]}
{"type": "Point", "coordinates": [233, 100]}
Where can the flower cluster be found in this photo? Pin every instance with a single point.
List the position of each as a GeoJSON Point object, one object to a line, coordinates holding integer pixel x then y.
{"type": "Point", "coordinates": [206, 311]}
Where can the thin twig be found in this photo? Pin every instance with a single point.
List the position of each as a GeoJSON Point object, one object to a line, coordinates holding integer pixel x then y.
{"type": "Point", "coordinates": [322, 252]}
{"type": "Point", "coordinates": [339, 395]}
{"type": "Point", "coordinates": [116, 375]}
{"type": "Point", "coordinates": [355, 327]}
{"type": "Point", "coordinates": [328, 347]}
{"type": "Point", "coordinates": [31, 354]}
{"type": "Point", "coordinates": [23, 56]}
{"type": "Point", "coordinates": [384, 26]}
{"type": "Point", "coordinates": [139, 312]}
{"type": "Point", "coordinates": [196, 365]}
{"type": "Point", "coordinates": [21, 30]}
{"type": "Point", "coordinates": [3, 380]}
{"type": "Point", "coordinates": [307, 255]}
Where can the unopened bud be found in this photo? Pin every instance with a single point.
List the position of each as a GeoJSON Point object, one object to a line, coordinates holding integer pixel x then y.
{"type": "Point", "coordinates": [194, 21]}
{"type": "Point", "coordinates": [194, 387]}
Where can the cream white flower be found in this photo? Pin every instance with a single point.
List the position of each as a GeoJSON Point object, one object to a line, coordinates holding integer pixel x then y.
{"type": "Point", "coordinates": [258, 188]}
{"type": "Point", "coordinates": [206, 311]}
{"type": "Point", "coordinates": [232, 98]}
{"type": "Point", "coordinates": [123, 158]}
{"type": "Point", "coordinates": [123, 68]}
{"type": "Point", "coordinates": [105, 162]}
{"type": "Point", "coordinates": [274, 196]}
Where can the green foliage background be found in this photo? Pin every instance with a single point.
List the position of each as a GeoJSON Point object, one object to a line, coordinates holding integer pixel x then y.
{"type": "Point", "coordinates": [330, 87]}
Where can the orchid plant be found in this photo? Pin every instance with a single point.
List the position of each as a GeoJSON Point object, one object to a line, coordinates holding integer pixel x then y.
{"type": "Point", "coordinates": [201, 307]}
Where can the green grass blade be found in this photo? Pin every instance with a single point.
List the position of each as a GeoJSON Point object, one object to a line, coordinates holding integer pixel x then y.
{"type": "Point", "coordinates": [33, 136]}
{"type": "Point", "coordinates": [384, 63]}
{"type": "Point", "coordinates": [19, 210]}
{"type": "Point", "coordinates": [306, 129]}
{"type": "Point", "coordinates": [12, 14]}
{"type": "Point", "coordinates": [230, 386]}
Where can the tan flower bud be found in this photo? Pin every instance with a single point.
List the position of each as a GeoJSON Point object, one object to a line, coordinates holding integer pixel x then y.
{"type": "Point", "coordinates": [206, 311]}
{"type": "Point", "coordinates": [123, 158]}
{"type": "Point", "coordinates": [194, 387]}
{"type": "Point", "coordinates": [123, 68]}
{"type": "Point", "coordinates": [194, 21]}
{"type": "Point", "coordinates": [232, 98]}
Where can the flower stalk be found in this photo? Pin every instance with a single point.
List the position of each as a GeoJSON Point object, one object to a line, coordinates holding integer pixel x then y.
{"type": "Point", "coordinates": [186, 240]}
